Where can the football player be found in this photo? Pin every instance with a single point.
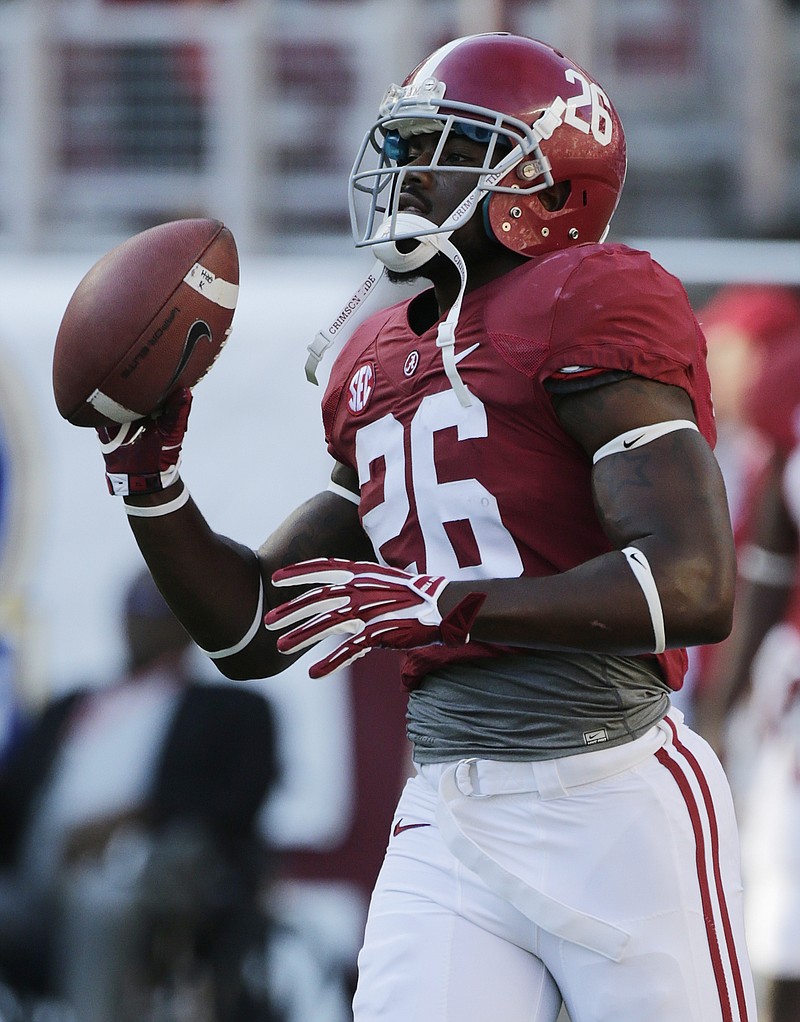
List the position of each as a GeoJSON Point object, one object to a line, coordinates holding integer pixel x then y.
{"type": "Point", "coordinates": [526, 501]}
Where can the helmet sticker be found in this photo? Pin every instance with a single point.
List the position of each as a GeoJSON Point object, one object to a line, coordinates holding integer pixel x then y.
{"type": "Point", "coordinates": [600, 123]}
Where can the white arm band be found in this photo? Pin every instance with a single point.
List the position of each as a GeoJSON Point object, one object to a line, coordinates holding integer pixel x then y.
{"type": "Point", "coordinates": [766, 568]}
{"type": "Point", "coordinates": [639, 437]}
{"type": "Point", "coordinates": [342, 491]}
{"type": "Point", "coordinates": [640, 567]}
{"type": "Point", "coordinates": [246, 639]}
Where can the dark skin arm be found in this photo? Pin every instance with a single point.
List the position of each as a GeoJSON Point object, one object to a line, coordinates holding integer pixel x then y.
{"type": "Point", "coordinates": [211, 582]}
{"type": "Point", "coordinates": [667, 498]}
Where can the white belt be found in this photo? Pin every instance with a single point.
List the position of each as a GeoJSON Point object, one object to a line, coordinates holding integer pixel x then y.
{"type": "Point", "coordinates": [475, 778]}
{"type": "Point", "coordinates": [551, 778]}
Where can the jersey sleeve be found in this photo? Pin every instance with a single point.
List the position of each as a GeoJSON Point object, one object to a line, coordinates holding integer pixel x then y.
{"type": "Point", "coordinates": [603, 308]}
{"type": "Point", "coordinates": [571, 379]}
{"type": "Point", "coordinates": [620, 310]}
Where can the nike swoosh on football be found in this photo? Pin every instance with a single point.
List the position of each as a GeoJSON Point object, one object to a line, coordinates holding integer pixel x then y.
{"type": "Point", "coordinates": [467, 351]}
{"type": "Point", "coordinates": [197, 331]}
{"type": "Point", "coordinates": [399, 827]}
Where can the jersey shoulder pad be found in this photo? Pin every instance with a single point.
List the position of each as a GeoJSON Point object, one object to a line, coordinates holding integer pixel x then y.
{"type": "Point", "coordinates": [620, 309]}
{"type": "Point", "coordinates": [602, 306]}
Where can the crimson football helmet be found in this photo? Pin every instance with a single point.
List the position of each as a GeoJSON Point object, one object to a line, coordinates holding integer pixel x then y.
{"type": "Point", "coordinates": [544, 120]}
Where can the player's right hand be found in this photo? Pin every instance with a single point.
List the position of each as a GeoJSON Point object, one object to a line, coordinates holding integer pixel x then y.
{"type": "Point", "coordinates": [145, 456]}
{"type": "Point", "coordinates": [376, 605]}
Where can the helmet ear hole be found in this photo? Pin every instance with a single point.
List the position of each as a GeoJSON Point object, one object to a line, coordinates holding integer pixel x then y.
{"type": "Point", "coordinates": [555, 197]}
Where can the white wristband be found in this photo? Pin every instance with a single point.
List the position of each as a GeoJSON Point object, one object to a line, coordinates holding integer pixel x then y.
{"type": "Point", "coordinates": [633, 438]}
{"type": "Point", "coordinates": [342, 491]}
{"type": "Point", "coordinates": [247, 638]}
{"type": "Point", "coordinates": [120, 482]}
{"type": "Point", "coordinates": [157, 510]}
{"type": "Point", "coordinates": [640, 567]}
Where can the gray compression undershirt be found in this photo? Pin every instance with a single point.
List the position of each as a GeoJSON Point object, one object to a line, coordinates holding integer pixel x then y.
{"type": "Point", "coordinates": [536, 705]}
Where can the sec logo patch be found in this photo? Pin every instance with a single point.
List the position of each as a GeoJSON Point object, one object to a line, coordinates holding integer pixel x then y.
{"type": "Point", "coordinates": [362, 385]}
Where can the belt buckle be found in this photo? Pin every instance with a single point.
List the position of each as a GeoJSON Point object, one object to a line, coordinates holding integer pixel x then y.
{"type": "Point", "coordinates": [467, 779]}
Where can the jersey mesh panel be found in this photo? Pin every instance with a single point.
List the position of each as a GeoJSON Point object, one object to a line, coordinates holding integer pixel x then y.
{"type": "Point", "coordinates": [521, 353]}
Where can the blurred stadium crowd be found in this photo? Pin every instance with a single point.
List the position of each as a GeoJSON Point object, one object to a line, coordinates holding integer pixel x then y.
{"type": "Point", "coordinates": [133, 884]}
{"type": "Point", "coordinates": [119, 113]}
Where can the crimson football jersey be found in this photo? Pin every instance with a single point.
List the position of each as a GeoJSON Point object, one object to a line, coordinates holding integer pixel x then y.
{"type": "Point", "coordinates": [498, 489]}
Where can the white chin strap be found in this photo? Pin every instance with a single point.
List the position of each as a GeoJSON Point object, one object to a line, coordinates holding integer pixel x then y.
{"type": "Point", "coordinates": [354, 310]}
{"type": "Point", "coordinates": [410, 226]}
{"type": "Point", "coordinates": [356, 307]}
{"type": "Point", "coordinates": [426, 246]}
{"type": "Point", "coordinates": [446, 336]}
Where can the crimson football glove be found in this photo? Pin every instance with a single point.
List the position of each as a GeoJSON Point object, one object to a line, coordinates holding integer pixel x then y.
{"type": "Point", "coordinates": [380, 606]}
{"type": "Point", "coordinates": [144, 456]}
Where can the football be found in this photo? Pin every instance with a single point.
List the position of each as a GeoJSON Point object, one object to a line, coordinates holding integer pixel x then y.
{"type": "Point", "coordinates": [149, 317]}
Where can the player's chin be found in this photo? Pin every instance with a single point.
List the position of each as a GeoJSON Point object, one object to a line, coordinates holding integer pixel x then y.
{"type": "Point", "coordinates": [432, 266]}
{"type": "Point", "coordinates": [403, 277]}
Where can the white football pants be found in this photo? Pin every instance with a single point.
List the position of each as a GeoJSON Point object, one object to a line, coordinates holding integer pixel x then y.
{"type": "Point", "coordinates": [609, 879]}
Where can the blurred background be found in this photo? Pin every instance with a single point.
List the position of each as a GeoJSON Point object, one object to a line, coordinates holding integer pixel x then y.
{"type": "Point", "coordinates": [115, 116]}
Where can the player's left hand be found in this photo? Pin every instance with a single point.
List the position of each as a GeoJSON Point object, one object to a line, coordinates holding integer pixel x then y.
{"type": "Point", "coordinates": [376, 605]}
